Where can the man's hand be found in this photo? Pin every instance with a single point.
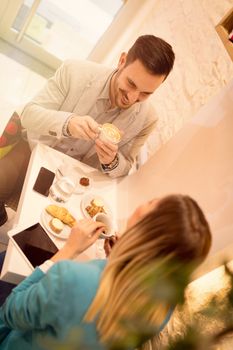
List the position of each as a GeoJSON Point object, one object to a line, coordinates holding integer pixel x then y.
{"type": "Point", "coordinates": [106, 151]}
{"type": "Point", "coordinates": [83, 127]}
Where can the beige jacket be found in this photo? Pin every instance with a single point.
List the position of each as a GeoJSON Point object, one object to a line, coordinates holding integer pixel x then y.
{"type": "Point", "coordinates": [73, 90]}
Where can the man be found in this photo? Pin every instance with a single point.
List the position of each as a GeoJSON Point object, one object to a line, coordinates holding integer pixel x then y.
{"type": "Point", "coordinates": [82, 95]}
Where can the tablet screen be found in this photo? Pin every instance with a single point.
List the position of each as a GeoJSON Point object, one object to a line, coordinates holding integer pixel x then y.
{"type": "Point", "coordinates": [35, 244]}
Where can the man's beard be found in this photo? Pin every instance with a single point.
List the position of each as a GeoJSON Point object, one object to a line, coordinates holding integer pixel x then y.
{"type": "Point", "coordinates": [119, 95]}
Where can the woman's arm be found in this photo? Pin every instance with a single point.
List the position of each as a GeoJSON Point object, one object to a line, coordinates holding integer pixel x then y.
{"type": "Point", "coordinates": [34, 303]}
{"type": "Point", "coordinates": [27, 307]}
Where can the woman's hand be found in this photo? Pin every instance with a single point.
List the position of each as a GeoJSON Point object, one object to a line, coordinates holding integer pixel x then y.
{"type": "Point", "coordinates": [109, 244]}
{"type": "Point", "coordinates": [82, 236]}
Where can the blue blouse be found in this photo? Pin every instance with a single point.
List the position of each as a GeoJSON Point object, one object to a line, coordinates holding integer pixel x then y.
{"type": "Point", "coordinates": [45, 308]}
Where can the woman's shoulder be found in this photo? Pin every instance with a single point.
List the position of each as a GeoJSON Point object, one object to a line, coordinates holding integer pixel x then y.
{"type": "Point", "coordinates": [76, 282]}
{"type": "Point", "coordinates": [81, 265]}
{"type": "Point", "coordinates": [70, 270]}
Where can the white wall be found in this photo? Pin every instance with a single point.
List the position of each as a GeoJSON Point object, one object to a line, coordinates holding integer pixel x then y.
{"type": "Point", "coordinates": [197, 161]}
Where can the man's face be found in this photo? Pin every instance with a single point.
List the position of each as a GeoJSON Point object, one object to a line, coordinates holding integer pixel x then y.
{"type": "Point", "coordinates": [132, 83]}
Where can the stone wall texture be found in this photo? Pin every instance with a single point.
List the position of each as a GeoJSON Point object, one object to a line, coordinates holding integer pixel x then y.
{"type": "Point", "coordinates": [202, 65]}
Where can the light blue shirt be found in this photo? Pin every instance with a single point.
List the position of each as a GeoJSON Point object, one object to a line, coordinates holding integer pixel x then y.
{"type": "Point", "coordinates": [46, 308]}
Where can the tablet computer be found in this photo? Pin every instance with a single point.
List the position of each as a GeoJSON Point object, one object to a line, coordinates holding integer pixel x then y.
{"type": "Point", "coordinates": [34, 244]}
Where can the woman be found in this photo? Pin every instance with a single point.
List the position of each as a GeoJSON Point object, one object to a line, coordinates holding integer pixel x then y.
{"type": "Point", "coordinates": [91, 303]}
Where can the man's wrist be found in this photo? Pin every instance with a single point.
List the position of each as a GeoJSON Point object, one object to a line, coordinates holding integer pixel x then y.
{"type": "Point", "coordinates": [65, 129]}
{"type": "Point", "coordinates": [112, 165]}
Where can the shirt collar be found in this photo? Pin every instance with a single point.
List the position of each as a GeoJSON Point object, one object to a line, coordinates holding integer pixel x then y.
{"type": "Point", "coordinates": [106, 88]}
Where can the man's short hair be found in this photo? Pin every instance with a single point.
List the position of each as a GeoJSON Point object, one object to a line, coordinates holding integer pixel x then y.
{"type": "Point", "coordinates": [154, 53]}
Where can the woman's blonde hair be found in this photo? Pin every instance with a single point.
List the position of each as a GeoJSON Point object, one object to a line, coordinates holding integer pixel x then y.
{"type": "Point", "coordinates": [176, 228]}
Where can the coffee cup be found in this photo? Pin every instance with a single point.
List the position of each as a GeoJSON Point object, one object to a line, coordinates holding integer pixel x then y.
{"type": "Point", "coordinates": [107, 221]}
{"type": "Point", "coordinates": [109, 133]}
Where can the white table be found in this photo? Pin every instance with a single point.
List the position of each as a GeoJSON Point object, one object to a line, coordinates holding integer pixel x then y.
{"type": "Point", "coordinates": [31, 204]}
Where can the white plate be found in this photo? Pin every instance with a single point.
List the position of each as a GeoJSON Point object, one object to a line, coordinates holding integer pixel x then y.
{"type": "Point", "coordinates": [45, 219]}
{"type": "Point", "coordinates": [86, 200]}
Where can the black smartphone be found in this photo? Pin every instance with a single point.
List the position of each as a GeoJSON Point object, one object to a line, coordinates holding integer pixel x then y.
{"type": "Point", "coordinates": [34, 244]}
{"type": "Point", "coordinates": [44, 181]}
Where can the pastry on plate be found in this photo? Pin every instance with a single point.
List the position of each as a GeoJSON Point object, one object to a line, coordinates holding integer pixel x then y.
{"type": "Point", "coordinates": [62, 214]}
{"type": "Point", "coordinates": [56, 211]}
{"type": "Point", "coordinates": [56, 225]}
{"type": "Point", "coordinates": [69, 220]}
{"type": "Point", "coordinates": [96, 206]}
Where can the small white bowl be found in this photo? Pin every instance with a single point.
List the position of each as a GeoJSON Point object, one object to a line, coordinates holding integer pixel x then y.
{"type": "Point", "coordinates": [107, 220]}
